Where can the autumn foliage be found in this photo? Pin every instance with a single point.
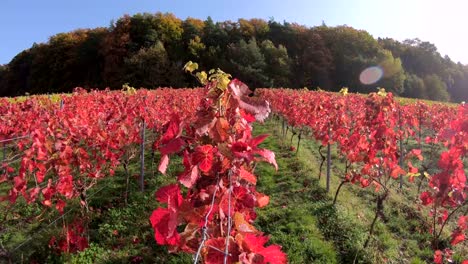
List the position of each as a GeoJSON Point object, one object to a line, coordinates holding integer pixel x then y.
{"type": "Point", "coordinates": [62, 154]}
{"type": "Point", "coordinates": [214, 218]}
{"type": "Point", "coordinates": [368, 131]}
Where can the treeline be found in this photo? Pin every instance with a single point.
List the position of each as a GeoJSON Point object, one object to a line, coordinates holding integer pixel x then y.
{"type": "Point", "coordinates": [149, 50]}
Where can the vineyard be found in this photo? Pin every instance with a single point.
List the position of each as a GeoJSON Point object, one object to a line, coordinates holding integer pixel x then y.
{"type": "Point", "coordinates": [220, 174]}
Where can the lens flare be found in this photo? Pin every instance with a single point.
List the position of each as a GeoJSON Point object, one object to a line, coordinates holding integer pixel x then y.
{"type": "Point", "coordinates": [371, 75]}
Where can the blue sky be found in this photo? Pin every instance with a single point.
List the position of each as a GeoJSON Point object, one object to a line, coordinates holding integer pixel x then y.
{"type": "Point", "coordinates": [444, 23]}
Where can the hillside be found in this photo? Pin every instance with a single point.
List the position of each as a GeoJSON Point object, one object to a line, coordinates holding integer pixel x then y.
{"type": "Point", "coordinates": [149, 50]}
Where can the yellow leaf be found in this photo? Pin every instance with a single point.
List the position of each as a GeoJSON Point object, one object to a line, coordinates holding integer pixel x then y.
{"type": "Point", "coordinates": [381, 92]}
{"type": "Point", "coordinates": [344, 91]}
{"type": "Point", "coordinates": [410, 174]}
{"type": "Point", "coordinates": [223, 82]}
{"type": "Point", "coordinates": [202, 77]}
{"type": "Point", "coordinates": [190, 66]}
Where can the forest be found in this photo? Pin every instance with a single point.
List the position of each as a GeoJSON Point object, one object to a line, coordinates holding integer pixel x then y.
{"type": "Point", "coordinates": [149, 50]}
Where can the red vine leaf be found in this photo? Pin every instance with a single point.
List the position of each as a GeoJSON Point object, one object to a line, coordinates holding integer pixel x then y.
{"type": "Point", "coordinates": [163, 164]}
{"type": "Point", "coordinates": [173, 130]}
{"type": "Point", "coordinates": [255, 245]}
{"type": "Point", "coordinates": [214, 253]}
{"type": "Point", "coordinates": [221, 129]}
{"type": "Point", "coordinates": [268, 155]}
{"type": "Point", "coordinates": [426, 198]}
{"type": "Point", "coordinates": [188, 178]}
{"type": "Point", "coordinates": [457, 237]}
{"type": "Point", "coordinates": [170, 195]}
{"type": "Point", "coordinates": [262, 199]}
{"type": "Point", "coordinates": [247, 175]}
{"type": "Point", "coordinates": [242, 225]}
{"type": "Point", "coordinates": [397, 171]}
{"type": "Point", "coordinates": [254, 142]}
{"type": "Point", "coordinates": [203, 156]}
{"type": "Point", "coordinates": [164, 223]}
{"type": "Point", "coordinates": [172, 146]}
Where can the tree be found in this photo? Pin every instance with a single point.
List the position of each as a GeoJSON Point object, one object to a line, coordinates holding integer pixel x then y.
{"type": "Point", "coordinates": [191, 37]}
{"type": "Point", "coordinates": [114, 48]}
{"type": "Point", "coordinates": [195, 48]}
{"type": "Point", "coordinates": [168, 27]}
{"type": "Point", "coordinates": [248, 63]}
{"type": "Point", "coordinates": [214, 35]}
{"type": "Point", "coordinates": [414, 87]}
{"type": "Point", "coordinates": [216, 39]}
{"type": "Point", "coordinates": [353, 51]}
{"type": "Point", "coordinates": [17, 76]}
{"type": "Point", "coordinates": [150, 68]}
{"type": "Point", "coordinates": [394, 46]}
{"type": "Point", "coordinates": [261, 28]}
{"type": "Point", "coordinates": [436, 88]}
{"type": "Point", "coordinates": [264, 53]}
{"type": "Point", "coordinates": [393, 74]}
{"type": "Point", "coordinates": [313, 62]}
{"type": "Point", "coordinates": [143, 32]}
{"type": "Point", "coordinates": [246, 28]}
{"type": "Point", "coordinates": [3, 73]}
{"type": "Point", "coordinates": [192, 27]}
{"type": "Point", "coordinates": [278, 64]}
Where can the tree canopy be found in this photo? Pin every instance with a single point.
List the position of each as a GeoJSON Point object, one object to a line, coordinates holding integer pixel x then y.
{"type": "Point", "coordinates": [149, 50]}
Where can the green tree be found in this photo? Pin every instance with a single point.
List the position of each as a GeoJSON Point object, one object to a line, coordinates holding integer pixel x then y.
{"type": "Point", "coordinates": [195, 47]}
{"type": "Point", "coordinates": [248, 63]}
{"type": "Point", "coordinates": [263, 53]}
{"type": "Point", "coordinates": [3, 73]}
{"type": "Point", "coordinates": [414, 87]}
{"type": "Point", "coordinates": [168, 27]}
{"type": "Point", "coordinates": [278, 64]}
{"type": "Point", "coordinates": [142, 32]}
{"type": "Point", "coordinates": [17, 75]}
{"type": "Point", "coordinates": [421, 58]}
{"type": "Point", "coordinates": [115, 48]}
{"type": "Point", "coordinates": [393, 73]}
{"type": "Point", "coordinates": [353, 51]}
{"type": "Point", "coordinates": [436, 88]}
{"type": "Point", "coordinates": [151, 67]}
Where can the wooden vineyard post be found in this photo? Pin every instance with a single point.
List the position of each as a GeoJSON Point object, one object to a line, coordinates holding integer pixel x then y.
{"type": "Point", "coordinates": [401, 148]}
{"type": "Point", "coordinates": [142, 157]}
{"type": "Point", "coordinates": [4, 152]}
{"type": "Point", "coordinates": [401, 162]}
{"type": "Point", "coordinates": [4, 155]}
{"type": "Point", "coordinates": [328, 161]}
{"type": "Point", "coordinates": [61, 104]}
{"type": "Point", "coordinates": [282, 128]}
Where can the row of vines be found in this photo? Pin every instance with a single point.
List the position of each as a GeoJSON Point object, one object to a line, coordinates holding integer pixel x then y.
{"type": "Point", "coordinates": [58, 152]}
{"type": "Point", "coordinates": [381, 141]}
{"type": "Point", "coordinates": [64, 150]}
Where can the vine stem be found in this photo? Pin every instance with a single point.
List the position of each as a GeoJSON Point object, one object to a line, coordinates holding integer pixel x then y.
{"type": "Point", "coordinates": [205, 224]}
{"type": "Point", "coordinates": [229, 224]}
